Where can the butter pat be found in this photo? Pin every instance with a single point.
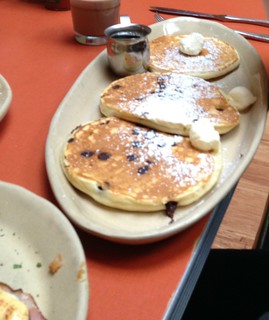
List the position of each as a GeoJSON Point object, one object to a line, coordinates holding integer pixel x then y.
{"type": "Point", "coordinates": [241, 98]}
{"type": "Point", "coordinates": [203, 135]}
{"type": "Point", "coordinates": [192, 44]}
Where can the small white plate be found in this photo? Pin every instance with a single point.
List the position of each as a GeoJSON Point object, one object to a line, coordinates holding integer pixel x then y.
{"type": "Point", "coordinates": [5, 96]}
{"type": "Point", "coordinates": [81, 104]}
{"type": "Point", "coordinates": [33, 232]}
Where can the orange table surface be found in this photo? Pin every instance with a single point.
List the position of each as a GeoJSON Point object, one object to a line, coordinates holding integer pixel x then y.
{"type": "Point", "coordinates": [41, 60]}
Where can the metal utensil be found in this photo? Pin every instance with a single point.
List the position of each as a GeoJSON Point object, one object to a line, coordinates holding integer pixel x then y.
{"type": "Point", "coordinates": [248, 35]}
{"type": "Point", "coordinates": [220, 17]}
{"type": "Point", "coordinates": [158, 17]}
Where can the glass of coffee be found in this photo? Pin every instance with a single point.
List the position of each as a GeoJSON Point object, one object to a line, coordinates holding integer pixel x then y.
{"type": "Point", "coordinates": [92, 17]}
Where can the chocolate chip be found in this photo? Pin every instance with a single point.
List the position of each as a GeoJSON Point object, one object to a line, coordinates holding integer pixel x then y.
{"type": "Point", "coordinates": [104, 156]}
{"type": "Point", "coordinates": [161, 83]}
{"type": "Point", "coordinates": [116, 87]}
{"type": "Point", "coordinates": [105, 122]}
{"type": "Point", "coordinates": [135, 132]}
{"type": "Point", "coordinates": [161, 144]}
{"type": "Point", "coordinates": [87, 153]}
{"type": "Point", "coordinates": [170, 209]}
{"type": "Point", "coordinates": [70, 140]}
{"type": "Point", "coordinates": [132, 157]}
{"type": "Point", "coordinates": [143, 170]}
{"type": "Point", "coordinates": [137, 144]}
{"type": "Point", "coordinates": [145, 113]}
{"type": "Point", "coordinates": [141, 98]}
{"type": "Point", "coordinates": [179, 90]}
{"type": "Point", "coordinates": [106, 183]}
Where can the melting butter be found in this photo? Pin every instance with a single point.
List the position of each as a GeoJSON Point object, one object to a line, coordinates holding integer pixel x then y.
{"type": "Point", "coordinates": [192, 44]}
{"type": "Point", "coordinates": [241, 98]}
{"type": "Point", "coordinates": [203, 135]}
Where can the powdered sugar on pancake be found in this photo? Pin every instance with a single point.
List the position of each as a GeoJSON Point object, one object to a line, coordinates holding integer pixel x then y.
{"type": "Point", "coordinates": [216, 58]}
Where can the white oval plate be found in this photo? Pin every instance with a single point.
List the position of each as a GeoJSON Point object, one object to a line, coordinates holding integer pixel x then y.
{"type": "Point", "coordinates": [81, 104]}
{"type": "Point", "coordinates": [32, 233]}
{"type": "Point", "coordinates": [5, 96]}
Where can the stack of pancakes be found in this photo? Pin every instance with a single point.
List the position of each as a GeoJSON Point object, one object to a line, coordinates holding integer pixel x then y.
{"type": "Point", "coordinates": [138, 156]}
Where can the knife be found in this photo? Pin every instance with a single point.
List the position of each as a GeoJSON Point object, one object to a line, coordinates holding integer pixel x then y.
{"type": "Point", "coordinates": [248, 35]}
{"type": "Point", "coordinates": [220, 17]}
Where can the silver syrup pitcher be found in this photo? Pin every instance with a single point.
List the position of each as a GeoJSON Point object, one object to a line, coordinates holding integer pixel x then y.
{"type": "Point", "coordinates": [128, 48]}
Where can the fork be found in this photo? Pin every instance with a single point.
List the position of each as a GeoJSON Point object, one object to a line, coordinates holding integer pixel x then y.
{"type": "Point", "coordinates": [158, 17]}
{"type": "Point", "coordinates": [248, 35]}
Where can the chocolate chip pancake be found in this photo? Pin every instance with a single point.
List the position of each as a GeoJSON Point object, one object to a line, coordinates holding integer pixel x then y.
{"type": "Point", "coordinates": [216, 58]}
{"type": "Point", "coordinates": [131, 167]}
{"type": "Point", "coordinates": [168, 102]}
